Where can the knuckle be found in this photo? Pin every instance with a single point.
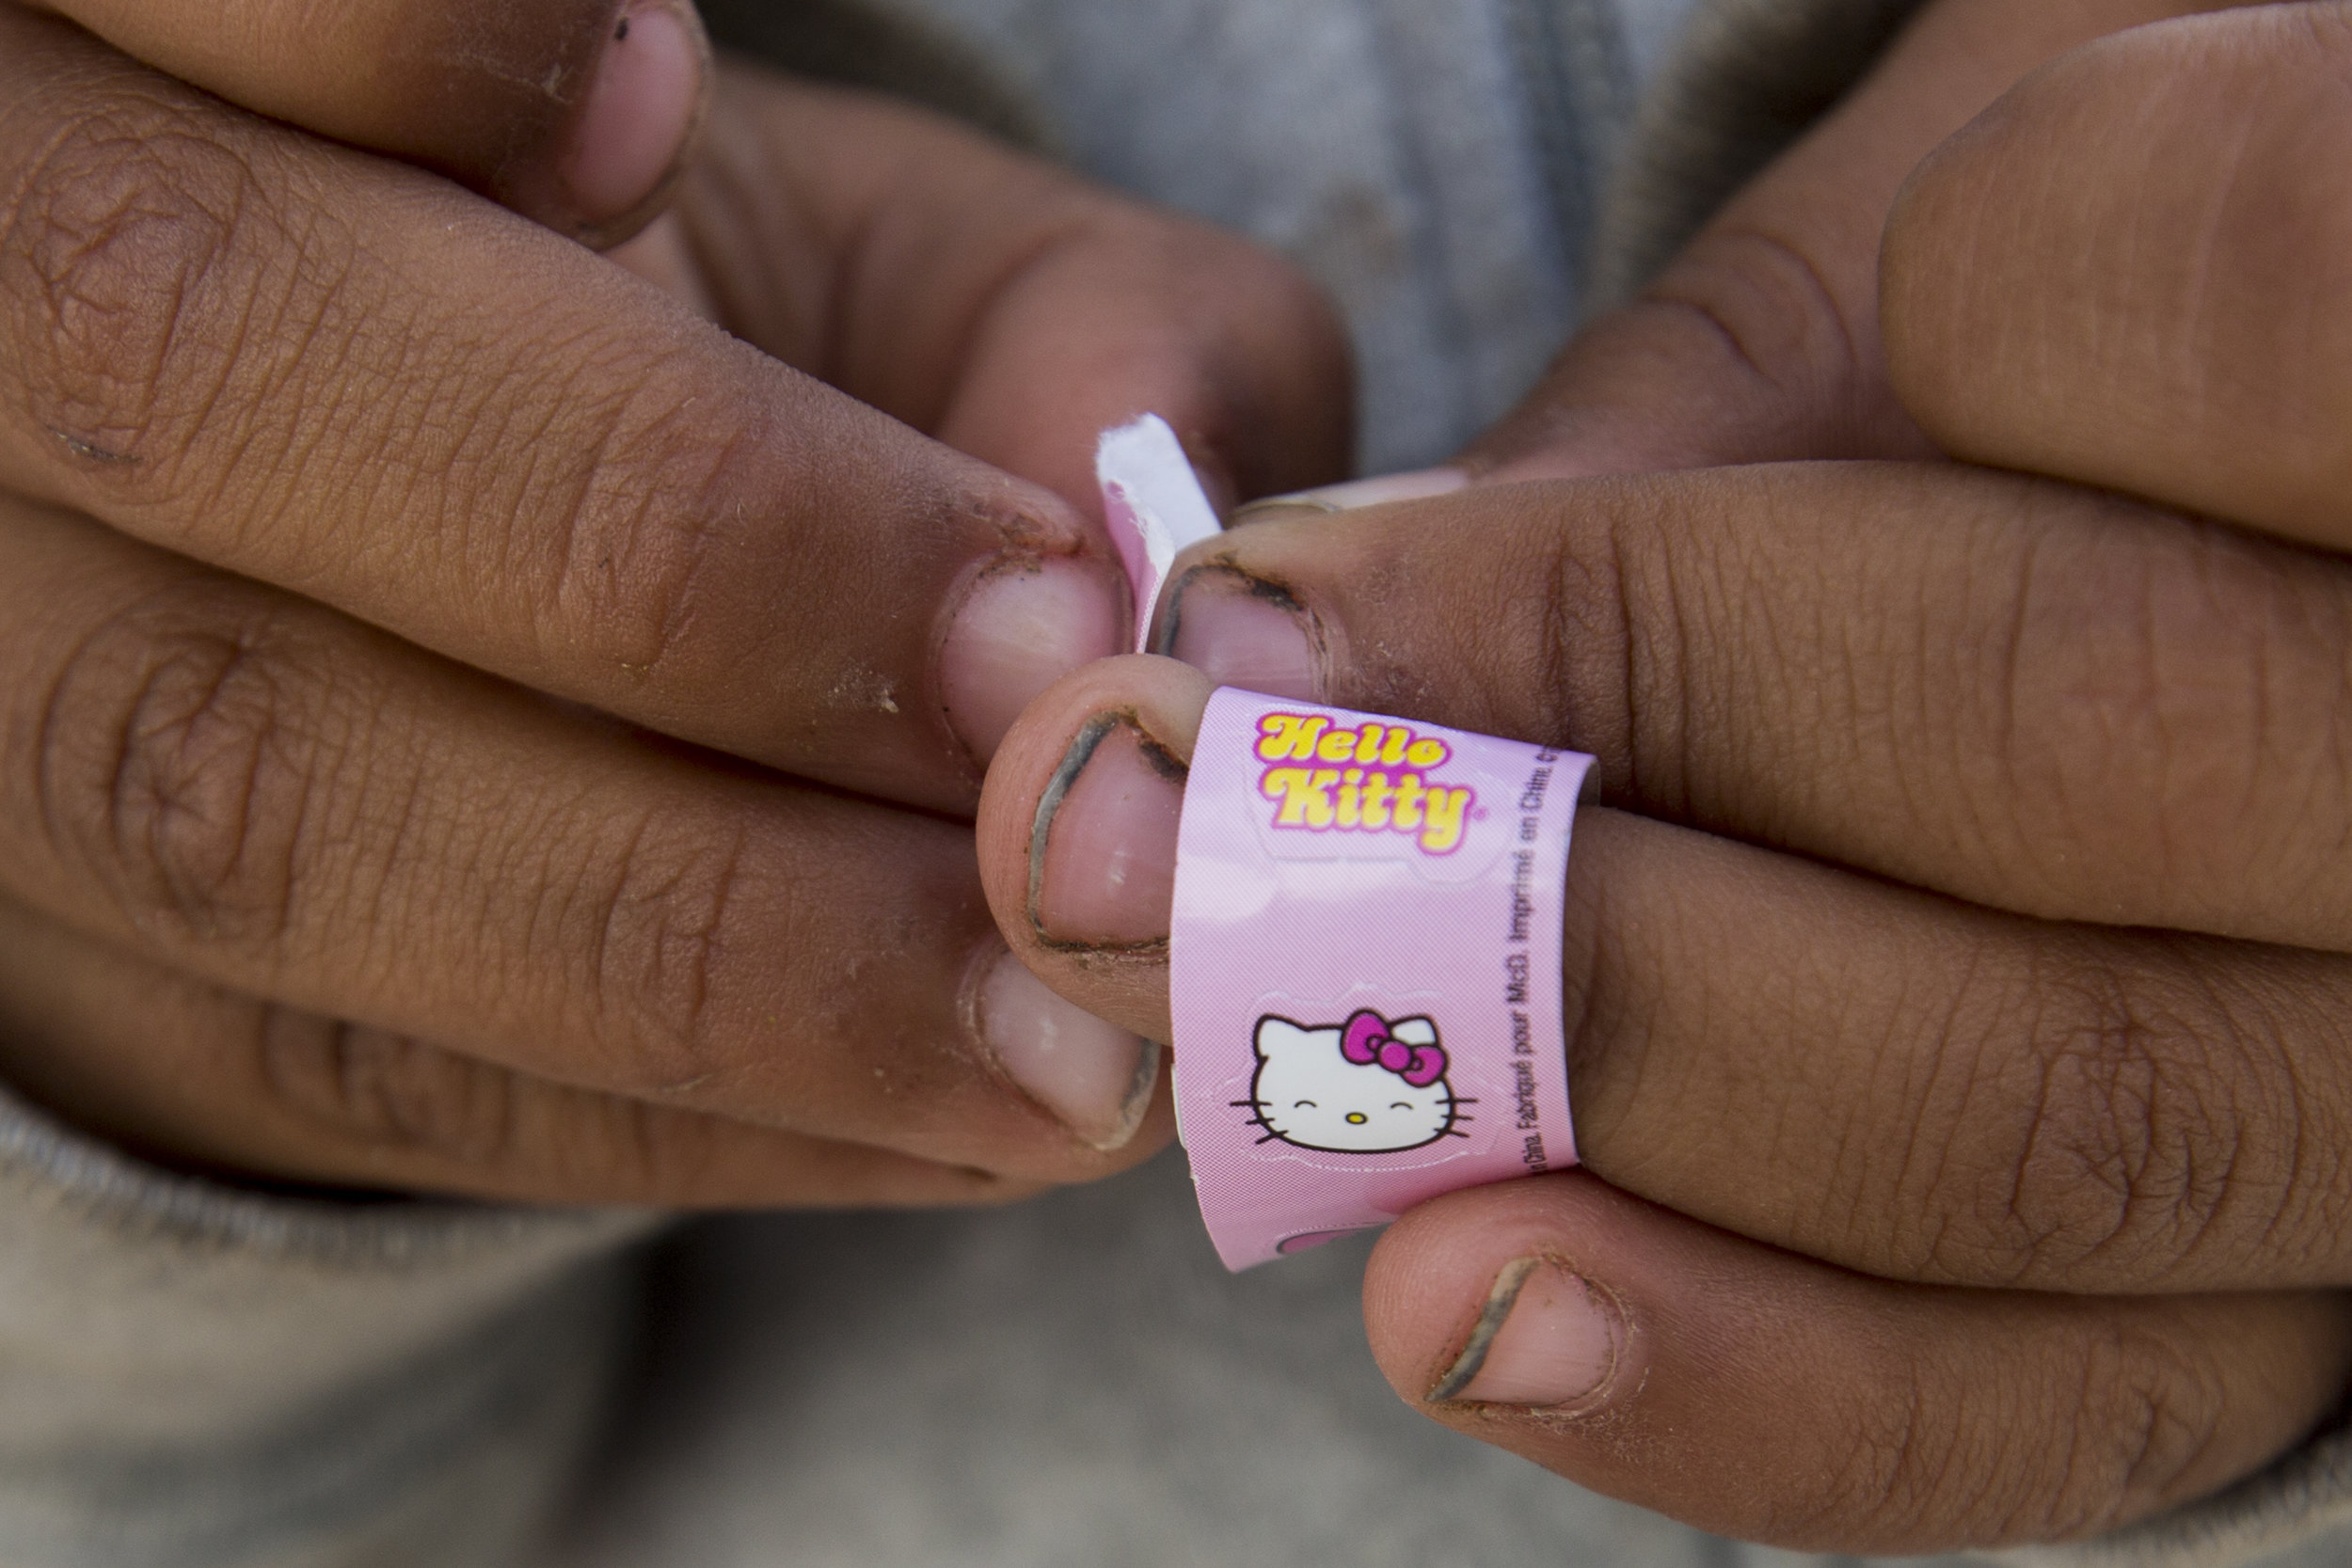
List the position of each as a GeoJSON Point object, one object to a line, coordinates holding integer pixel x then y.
{"type": "Point", "coordinates": [2231, 345]}
{"type": "Point", "coordinates": [1920, 1457]}
{"type": "Point", "coordinates": [660, 912]}
{"type": "Point", "coordinates": [1886, 1475]}
{"type": "Point", "coordinates": [634, 548]}
{"type": "Point", "coordinates": [177, 755]}
{"type": "Point", "coordinates": [1266, 357]}
{"type": "Point", "coordinates": [386, 1092]}
{"type": "Point", "coordinates": [124, 261]}
{"type": "Point", "coordinates": [2061, 1443]}
{"type": "Point", "coordinates": [1777, 319]}
{"type": "Point", "coordinates": [2147, 1416]}
{"type": "Point", "coordinates": [398, 1103]}
{"type": "Point", "coordinates": [2124, 1146]}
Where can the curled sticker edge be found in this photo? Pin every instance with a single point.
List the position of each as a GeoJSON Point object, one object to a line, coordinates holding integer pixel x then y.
{"type": "Point", "coordinates": [1152, 504]}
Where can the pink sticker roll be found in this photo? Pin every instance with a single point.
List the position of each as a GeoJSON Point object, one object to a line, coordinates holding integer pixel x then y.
{"type": "Point", "coordinates": [1365, 968]}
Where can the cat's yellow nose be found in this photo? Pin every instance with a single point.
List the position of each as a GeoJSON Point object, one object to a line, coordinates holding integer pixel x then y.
{"type": "Point", "coordinates": [1358, 1117]}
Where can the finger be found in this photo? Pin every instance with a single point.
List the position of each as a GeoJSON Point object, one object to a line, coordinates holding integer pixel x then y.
{"type": "Point", "coordinates": [1078, 834]}
{"type": "Point", "coordinates": [577, 113]}
{"type": "Point", "coordinates": [2126, 274]}
{"type": "Point", "coordinates": [1760, 342]}
{"type": "Point", "coordinates": [1067, 310]}
{"type": "Point", "coordinates": [202, 1077]}
{"type": "Point", "coordinates": [2026, 696]}
{"type": "Point", "coordinates": [347, 379]}
{"type": "Point", "coordinates": [1869, 1074]}
{"type": "Point", "coordinates": [252, 789]}
{"type": "Point", "coordinates": [1777, 1400]}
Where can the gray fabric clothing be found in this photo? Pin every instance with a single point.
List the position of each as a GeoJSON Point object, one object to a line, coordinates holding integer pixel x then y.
{"type": "Point", "coordinates": [197, 1375]}
{"type": "Point", "coordinates": [1077, 1382]}
{"type": "Point", "coordinates": [1065, 1385]}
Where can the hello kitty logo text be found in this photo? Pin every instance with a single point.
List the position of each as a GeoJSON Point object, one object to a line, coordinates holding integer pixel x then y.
{"type": "Point", "coordinates": [1373, 779]}
{"type": "Point", "coordinates": [1365, 1087]}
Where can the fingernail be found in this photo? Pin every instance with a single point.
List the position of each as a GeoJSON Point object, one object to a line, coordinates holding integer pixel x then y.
{"type": "Point", "coordinates": [1103, 854]}
{"type": "Point", "coordinates": [640, 110]}
{"type": "Point", "coordinates": [1096, 1078]}
{"type": "Point", "coordinates": [1023, 626]}
{"type": "Point", "coordinates": [1546, 1338]}
{"type": "Point", "coordinates": [1419, 485]}
{"type": "Point", "coordinates": [1240, 631]}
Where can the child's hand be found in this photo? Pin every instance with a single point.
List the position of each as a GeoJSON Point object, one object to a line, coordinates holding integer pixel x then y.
{"type": "Point", "coordinates": [367, 553]}
{"type": "Point", "coordinates": [1961, 964]}
{"type": "Point", "coordinates": [1761, 341]}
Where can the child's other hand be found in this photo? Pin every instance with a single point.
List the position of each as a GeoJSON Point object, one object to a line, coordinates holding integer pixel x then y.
{"type": "Point", "coordinates": [1961, 953]}
{"type": "Point", "coordinates": [1761, 342]}
{"type": "Point", "coordinates": [472, 724]}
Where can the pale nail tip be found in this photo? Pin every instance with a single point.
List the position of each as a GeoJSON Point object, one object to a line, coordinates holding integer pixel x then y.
{"type": "Point", "coordinates": [1140, 1090]}
{"type": "Point", "coordinates": [1090, 1075]}
{"type": "Point", "coordinates": [639, 112]}
{"type": "Point", "coordinates": [1016, 633]}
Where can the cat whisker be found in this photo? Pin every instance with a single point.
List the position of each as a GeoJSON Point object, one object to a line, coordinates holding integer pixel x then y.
{"type": "Point", "coordinates": [1455, 1133]}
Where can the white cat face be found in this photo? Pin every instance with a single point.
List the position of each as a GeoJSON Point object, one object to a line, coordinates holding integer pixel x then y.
{"type": "Point", "coordinates": [1308, 1092]}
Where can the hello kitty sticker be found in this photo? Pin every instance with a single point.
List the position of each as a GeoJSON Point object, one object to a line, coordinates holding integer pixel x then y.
{"type": "Point", "coordinates": [1366, 1087]}
{"type": "Point", "coordinates": [1364, 961]}
{"type": "Point", "coordinates": [1365, 968]}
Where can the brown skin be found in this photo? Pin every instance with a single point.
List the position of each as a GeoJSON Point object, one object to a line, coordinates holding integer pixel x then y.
{"type": "Point", "coordinates": [209, 1078]}
{"type": "Point", "coordinates": [1958, 951]}
{"type": "Point", "coordinates": [485, 94]}
{"type": "Point", "coordinates": [872, 246]}
{"type": "Point", "coordinates": [679, 475]}
{"type": "Point", "coordinates": [2233, 264]}
{"type": "Point", "coordinates": [1766, 1396]}
{"type": "Point", "coordinates": [320, 477]}
{"type": "Point", "coordinates": [1761, 341]}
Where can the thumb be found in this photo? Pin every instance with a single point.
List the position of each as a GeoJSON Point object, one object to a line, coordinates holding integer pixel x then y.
{"type": "Point", "coordinates": [1760, 342]}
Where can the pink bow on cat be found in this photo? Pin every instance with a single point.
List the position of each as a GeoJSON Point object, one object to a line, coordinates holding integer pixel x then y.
{"type": "Point", "coordinates": [1366, 1039]}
